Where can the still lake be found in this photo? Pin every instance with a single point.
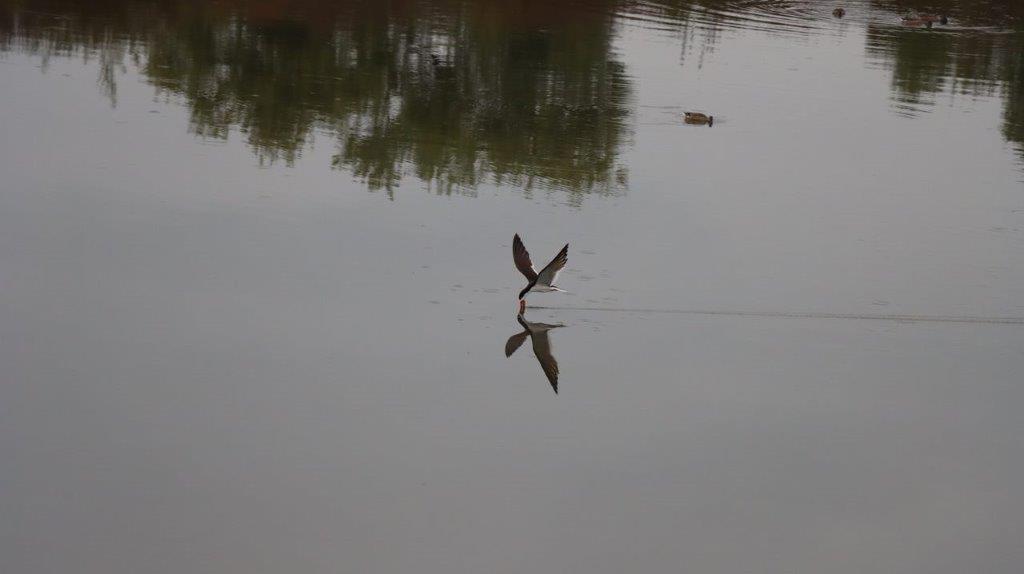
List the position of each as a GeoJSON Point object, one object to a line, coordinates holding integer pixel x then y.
{"type": "Point", "coordinates": [257, 291]}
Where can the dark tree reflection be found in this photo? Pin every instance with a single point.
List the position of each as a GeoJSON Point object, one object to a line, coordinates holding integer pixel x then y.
{"type": "Point", "coordinates": [454, 93]}
{"type": "Point", "coordinates": [980, 54]}
{"type": "Point", "coordinates": [528, 93]}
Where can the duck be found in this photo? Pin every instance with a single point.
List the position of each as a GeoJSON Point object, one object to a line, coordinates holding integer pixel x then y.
{"type": "Point", "coordinates": [926, 20]}
{"type": "Point", "coordinates": [915, 22]}
{"type": "Point", "coordinates": [839, 12]}
{"type": "Point", "coordinates": [698, 119]}
{"type": "Point", "coordinates": [941, 19]}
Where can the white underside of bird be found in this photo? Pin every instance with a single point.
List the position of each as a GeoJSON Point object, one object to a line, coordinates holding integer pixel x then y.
{"type": "Point", "coordinates": [538, 288]}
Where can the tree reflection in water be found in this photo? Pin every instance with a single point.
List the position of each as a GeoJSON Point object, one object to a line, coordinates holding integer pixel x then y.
{"type": "Point", "coordinates": [980, 54]}
{"type": "Point", "coordinates": [455, 93]}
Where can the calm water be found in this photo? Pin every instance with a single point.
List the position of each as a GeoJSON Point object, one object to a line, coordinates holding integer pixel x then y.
{"type": "Point", "coordinates": [256, 288]}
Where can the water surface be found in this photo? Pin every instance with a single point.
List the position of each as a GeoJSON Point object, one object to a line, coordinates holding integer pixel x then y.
{"type": "Point", "coordinates": [256, 287]}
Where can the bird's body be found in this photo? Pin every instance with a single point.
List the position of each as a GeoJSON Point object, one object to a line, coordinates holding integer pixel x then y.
{"type": "Point", "coordinates": [538, 288]}
{"type": "Point", "coordinates": [542, 282]}
{"type": "Point", "coordinates": [839, 12]}
{"type": "Point", "coordinates": [698, 118]}
{"type": "Point", "coordinates": [941, 19]}
{"type": "Point", "coordinates": [925, 20]}
{"type": "Point", "coordinates": [916, 22]}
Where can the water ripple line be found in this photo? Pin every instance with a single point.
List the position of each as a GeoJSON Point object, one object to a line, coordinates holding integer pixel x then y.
{"type": "Point", "coordinates": [902, 318]}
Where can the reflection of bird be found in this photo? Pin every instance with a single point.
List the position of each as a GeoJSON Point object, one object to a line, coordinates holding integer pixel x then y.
{"type": "Point", "coordinates": [538, 333]}
{"type": "Point", "coordinates": [698, 118]}
{"type": "Point", "coordinates": [543, 282]}
{"type": "Point", "coordinates": [839, 12]}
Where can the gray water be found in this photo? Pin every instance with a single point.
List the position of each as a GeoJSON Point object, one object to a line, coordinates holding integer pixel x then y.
{"type": "Point", "coordinates": [256, 287]}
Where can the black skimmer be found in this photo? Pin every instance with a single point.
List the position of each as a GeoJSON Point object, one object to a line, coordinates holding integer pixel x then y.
{"type": "Point", "coordinates": [538, 333]}
{"type": "Point", "coordinates": [543, 282]}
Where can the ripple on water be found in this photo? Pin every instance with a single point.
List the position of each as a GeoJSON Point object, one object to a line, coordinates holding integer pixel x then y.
{"type": "Point", "coordinates": [801, 17]}
{"type": "Point", "coordinates": [770, 16]}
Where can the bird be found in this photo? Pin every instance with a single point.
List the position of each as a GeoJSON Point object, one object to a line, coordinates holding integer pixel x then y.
{"type": "Point", "coordinates": [538, 333]}
{"type": "Point", "coordinates": [543, 282]}
{"type": "Point", "coordinates": [942, 19]}
{"type": "Point", "coordinates": [925, 20]}
{"type": "Point", "coordinates": [839, 12]}
{"type": "Point", "coordinates": [914, 21]}
{"type": "Point", "coordinates": [698, 118]}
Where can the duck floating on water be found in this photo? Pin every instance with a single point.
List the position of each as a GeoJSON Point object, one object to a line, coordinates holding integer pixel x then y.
{"type": "Point", "coordinates": [839, 12]}
{"type": "Point", "coordinates": [926, 20]}
{"type": "Point", "coordinates": [698, 119]}
{"type": "Point", "coordinates": [915, 22]}
{"type": "Point", "coordinates": [543, 282]}
{"type": "Point", "coordinates": [933, 18]}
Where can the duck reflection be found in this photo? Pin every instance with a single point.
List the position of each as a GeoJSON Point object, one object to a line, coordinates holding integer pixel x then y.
{"type": "Point", "coordinates": [538, 333]}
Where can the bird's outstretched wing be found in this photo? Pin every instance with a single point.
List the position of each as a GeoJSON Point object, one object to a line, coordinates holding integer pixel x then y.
{"type": "Point", "coordinates": [542, 349]}
{"type": "Point", "coordinates": [549, 274]}
{"type": "Point", "coordinates": [522, 259]}
{"type": "Point", "coordinates": [514, 342]}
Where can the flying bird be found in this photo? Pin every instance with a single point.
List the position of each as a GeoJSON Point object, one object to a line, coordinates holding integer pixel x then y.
{"type": "Point", "coordinates": [538, 333]}
{"type": "Point", "coordinates": [543, 282]}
